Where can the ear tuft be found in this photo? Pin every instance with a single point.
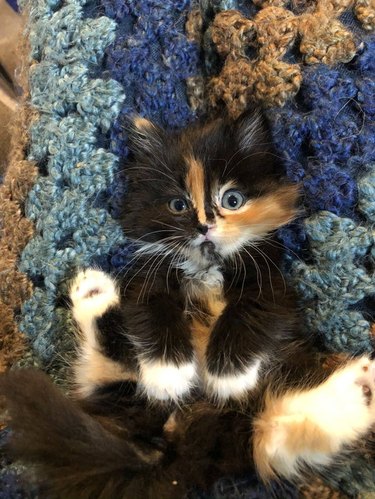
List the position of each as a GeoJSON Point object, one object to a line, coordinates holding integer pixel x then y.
{"type": "Point", "coordinates": [141, 123]}
{"type": "Point", "coordinates": [252, 129]}
{"type": "Point", "coordinates": [145, 137]}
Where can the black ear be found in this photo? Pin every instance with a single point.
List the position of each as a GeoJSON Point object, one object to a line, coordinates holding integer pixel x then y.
{"type": "Point", "coordinates": [145, 137]}
{"type": "Point", "coordinates": [251, 129]}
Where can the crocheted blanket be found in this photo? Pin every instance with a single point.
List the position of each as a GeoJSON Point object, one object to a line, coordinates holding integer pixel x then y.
{"type": "Point", "coordinates": [91, 64]}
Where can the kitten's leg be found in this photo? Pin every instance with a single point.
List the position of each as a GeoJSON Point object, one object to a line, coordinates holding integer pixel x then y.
{"type": "Point", "coordinates": [160, 332]}
{"type": "Point", "coordinates": [95, 297]}
{"type": "Point", "coordinates": [235, 354]}
{"type": "Point", "coordinates": [311, 426]}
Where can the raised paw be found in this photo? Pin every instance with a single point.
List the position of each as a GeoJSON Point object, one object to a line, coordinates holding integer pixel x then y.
{"type": "Point", "coordinates": [92, 293]}
{"type": "Point", "coordinates": [166, 381]}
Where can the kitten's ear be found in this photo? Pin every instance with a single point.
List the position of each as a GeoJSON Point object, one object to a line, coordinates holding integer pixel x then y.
{"type": "Point", "coordinates": [145, 137]}
{"type": "Point", "coordinates": [252, 129]}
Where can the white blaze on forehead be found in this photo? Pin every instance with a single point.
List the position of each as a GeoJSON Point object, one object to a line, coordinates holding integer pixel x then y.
{"type": "Point", "coordinates": [195, 185]}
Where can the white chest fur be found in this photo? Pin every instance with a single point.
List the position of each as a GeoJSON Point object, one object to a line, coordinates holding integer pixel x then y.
{"type": "Point", "coordinates": [201, 282]}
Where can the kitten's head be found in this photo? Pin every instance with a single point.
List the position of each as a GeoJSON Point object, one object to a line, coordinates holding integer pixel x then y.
{"type": "Point", "coordinates": [207, 191]}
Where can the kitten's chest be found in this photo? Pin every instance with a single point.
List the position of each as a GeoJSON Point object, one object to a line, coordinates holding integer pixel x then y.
{"type": "Point", "coordinates": [204, 303]}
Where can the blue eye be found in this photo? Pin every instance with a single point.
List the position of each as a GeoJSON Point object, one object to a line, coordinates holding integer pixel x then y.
{"type": "Point", "coordinates": [232, 200]}
{"type": "Point", "coordinates": [177, 205]}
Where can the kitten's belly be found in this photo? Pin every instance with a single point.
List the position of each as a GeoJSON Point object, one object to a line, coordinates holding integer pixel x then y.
{"type": "Point", "coordinates": [212, 306]}
{"type": "Point", "coordinates": [200, 334]}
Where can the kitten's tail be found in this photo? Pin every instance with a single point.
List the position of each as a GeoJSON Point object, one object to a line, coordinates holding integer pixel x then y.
{"type": "Point", "coordinates": [76, 455]}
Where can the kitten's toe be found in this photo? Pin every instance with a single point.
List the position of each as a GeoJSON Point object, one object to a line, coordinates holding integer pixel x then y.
{"type": "Point", "coordinates": [222, 387]}
{"type": "Point", "coordinates": [92, 293]}
{"type": "Point", "coordinates": [166, 381]}
{"type": "Point", "coordinates": [364, 372]}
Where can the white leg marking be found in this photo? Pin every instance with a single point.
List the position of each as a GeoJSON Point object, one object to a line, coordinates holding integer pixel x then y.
{"type": "Point", "coordinates": [92, 292]}
{"type": "Point", "coordinates": [235, 386]}
{"type": "Point", "coordinates": [328, 417]}
{"type": "Point", "coordinates": [166, 381]}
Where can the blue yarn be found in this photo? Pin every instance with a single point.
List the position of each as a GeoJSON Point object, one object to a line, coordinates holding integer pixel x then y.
{"type": "Point", "coordinates": [101, 61]}
{"type": "Point", "coordinates": [246, 487]}
{"type": "Point", "coordinates": [72, 226]}
{"type": "Point", "coordinates": [13, 4]}
{"type": "Point", "coordinates": [328, 145]}
{"type": "Point", "coordinates": [11, 483]}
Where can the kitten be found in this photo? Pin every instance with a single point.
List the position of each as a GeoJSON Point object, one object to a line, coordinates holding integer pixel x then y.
{"type": "Point", "coordinates": [204, 305]}
{"type": "Point", "coordinates": [193, 364]}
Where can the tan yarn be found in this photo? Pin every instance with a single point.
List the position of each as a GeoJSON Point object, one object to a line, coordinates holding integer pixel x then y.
{"type": "Point", "coordinates": [365, 13]}
{"type": "Point", "coordinates": [15, 231]}
{"type": "Point", "coordinates": [316, 31]}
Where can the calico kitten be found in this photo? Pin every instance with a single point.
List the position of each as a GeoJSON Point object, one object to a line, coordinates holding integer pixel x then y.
{"type": "Point", "coordinates": [204, 305]}
{"type": "Point", "coordinates": [193, 363]}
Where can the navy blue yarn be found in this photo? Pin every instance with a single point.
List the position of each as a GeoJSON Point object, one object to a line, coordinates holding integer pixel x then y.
{"type": "Point", "coordinates": [11, 484]}
{"type": "Point", "coordinates": [13, 4]}
{"type": "Point", "coordinates": [246, 487]}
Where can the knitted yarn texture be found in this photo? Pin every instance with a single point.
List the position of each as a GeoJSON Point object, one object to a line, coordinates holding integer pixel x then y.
{"type": "Point", "coordinates": [95, 63]}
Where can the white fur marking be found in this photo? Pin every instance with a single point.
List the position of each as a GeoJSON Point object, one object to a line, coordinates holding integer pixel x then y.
{"type": "Point", "coordinates": [92, 293]}
{"type": "Point", "coordinates": [337, 406]}
{"type": "Point", "coordinates": [225, 387]}
{"type": "Point", "coordinates": [165, 381]}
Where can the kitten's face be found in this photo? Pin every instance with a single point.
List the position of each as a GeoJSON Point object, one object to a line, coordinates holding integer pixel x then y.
{"type": "Point", "coordinates": [205, 192]}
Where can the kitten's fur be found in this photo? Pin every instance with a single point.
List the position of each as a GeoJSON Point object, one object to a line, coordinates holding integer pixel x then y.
{"type": "Point", "coordinates": [193, 364]}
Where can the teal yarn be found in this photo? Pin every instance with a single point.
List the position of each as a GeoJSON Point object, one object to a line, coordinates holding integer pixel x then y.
{"type": "Point", "coordinates": [337, 281]}
{"type": "Point", "coordinates": [73, 226]}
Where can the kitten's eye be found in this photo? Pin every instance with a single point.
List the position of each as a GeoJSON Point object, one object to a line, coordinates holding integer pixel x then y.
{"type": "Point", "coordinates": [177, 205]}
{"type": "Point", "coordinates": [232, 200]}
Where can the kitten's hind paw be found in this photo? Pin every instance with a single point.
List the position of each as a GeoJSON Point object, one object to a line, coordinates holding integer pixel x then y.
{"type": "Point", "coordinates": [313, 425]}
{"type": "Point", "coordinates": [92, 293]}
{"type": "Point", "coordinates": [167, 381]}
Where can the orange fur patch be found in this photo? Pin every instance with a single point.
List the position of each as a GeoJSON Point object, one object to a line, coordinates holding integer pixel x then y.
{"type": "Point", "coordinates": [214, 303]}
{"type": "Point", "coordinates": [195, 186]}
{"type": "Point", "coordinates": [264, 214]}
{"type": "Point", "coordinates": [94, 369]}
{"type": "Point", "coordinates": [297, 435]}
{"type": "Point", "coordinates": [142, 123]}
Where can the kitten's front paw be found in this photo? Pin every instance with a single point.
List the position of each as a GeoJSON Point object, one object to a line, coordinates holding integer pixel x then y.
{"type": "Point", "coordinates": [92, 293]}
{"type": "Point", "coordinates": [222, 387]}
{"type": "Point", "coordinates": [166, 381]}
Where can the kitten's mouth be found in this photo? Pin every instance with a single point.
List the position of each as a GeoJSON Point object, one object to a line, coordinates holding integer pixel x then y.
{"type": "Point", "coordinates": [208, 249]}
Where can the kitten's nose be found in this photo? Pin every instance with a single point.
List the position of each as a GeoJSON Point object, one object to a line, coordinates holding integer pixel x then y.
{"type": "Point", "coordinates": [202, 228]}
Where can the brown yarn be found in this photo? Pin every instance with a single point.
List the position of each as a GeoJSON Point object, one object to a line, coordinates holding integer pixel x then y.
{"type": "Point", "coordinates": [15, 229]}
{"type": "Point", "coordinates": [194, 26]}
{"type": "Point", "coordinates": [232, 33]}
{"type": "Point", "coordinates": [365, 13]}
{"type": "Point", "coordinates": [267, 78]}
